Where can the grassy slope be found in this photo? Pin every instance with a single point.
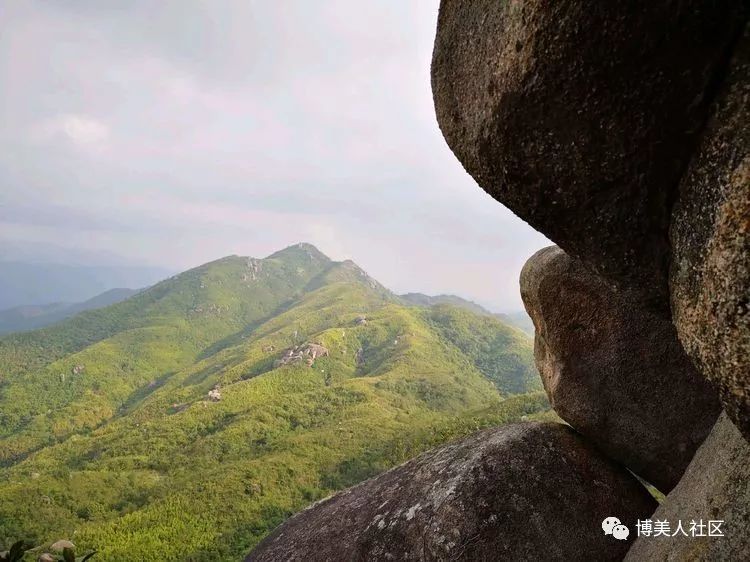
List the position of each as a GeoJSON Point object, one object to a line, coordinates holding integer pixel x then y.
{"type": "Point", "coordinates": [502, 353]}
{"type": "Point", "coordinates": [127, 349]}
{"type": "Point", "coordinates": [147, 471]}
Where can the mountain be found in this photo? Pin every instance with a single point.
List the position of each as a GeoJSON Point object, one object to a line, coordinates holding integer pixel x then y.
{"type": "Point", "coordinates": [187, 421]}
{"type": "Point", "coordinates": [420, 299]}
{"type": "Point", "coordinates": [23, 284]}
{"type": "Point", "coordinates": [30, 317]}
{"type": "Point", "coordinates": [518, 319]}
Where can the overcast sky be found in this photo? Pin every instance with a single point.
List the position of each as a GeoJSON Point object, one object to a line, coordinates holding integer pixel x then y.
{"type": "Point", "coordinates": [175, 132]}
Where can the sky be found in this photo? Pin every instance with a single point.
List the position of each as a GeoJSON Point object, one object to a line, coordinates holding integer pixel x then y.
{"type": "Point", "coordinates": [176, 132]}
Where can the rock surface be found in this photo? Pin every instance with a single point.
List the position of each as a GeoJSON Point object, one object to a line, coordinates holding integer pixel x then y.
{"type": "Point", "coordinates": [614, 371]}
{"type": "Point", "coordinates": [716, 486]}
{"type": "Point", "coordinates": [534, 491]}
{"type": "Point", "coordinates": [710, 276]}
{"type": "Point", "coordinates": [306, 353]}
{"type": "Point", "coordinates": [578, 124]}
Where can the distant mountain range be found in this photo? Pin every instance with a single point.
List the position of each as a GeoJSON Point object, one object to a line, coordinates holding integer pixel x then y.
{"type": "Point", "coordinates": [24, 284]}
{"type": "Point", "coordinates": [31, 317]}
{"type": "Point", "coordinates": [188, 420]}
{"type": "Point", "coordinates": [518, 319]}
{"type": "Point", "coordinates": [39, 308]}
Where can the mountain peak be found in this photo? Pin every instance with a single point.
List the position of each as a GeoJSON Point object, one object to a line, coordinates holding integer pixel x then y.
{"type": "Point", "coordinates": [300, 250]}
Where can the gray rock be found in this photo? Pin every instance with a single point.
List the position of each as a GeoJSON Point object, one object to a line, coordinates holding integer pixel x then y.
{"type": "Point", "coordinates": [582, 116]}
{"type": "Point", "coordinates": [710, 276]}
{"type": "Point", "coordinates": [360, 320]}
{"type": "Point", "coordinates": [716, 486]}
{"type": "Point", "coordinates": [534, 491]}
{"type": "Point", "coordinates": [306, 353]}
{"type": "Point", "coordinates": [615, 371]}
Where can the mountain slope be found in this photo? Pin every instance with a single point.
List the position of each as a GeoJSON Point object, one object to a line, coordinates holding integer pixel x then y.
{"type": "Point", "coordinates": [182, 429]}
{"type": "Point", "coordinates": [420, 299]}
{"type": "Point", "coordinates": [518, 319]}
{"type": "Point", "coordinates": [498, 351]}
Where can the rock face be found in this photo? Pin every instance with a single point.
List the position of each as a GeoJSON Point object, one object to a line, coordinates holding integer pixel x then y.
{"type": "Point", "coordinates": [306, 353]}
{"type": "Point", "coordinates": [716, 486]}
{"type": "Point", "coordinates": [710, 276]}
{"type": "Point", "coordinates": [614, 371]}
{"type": "Point", "coordinates": [520, 492]}
{"type": "Point", "coordinates": [580, 126]}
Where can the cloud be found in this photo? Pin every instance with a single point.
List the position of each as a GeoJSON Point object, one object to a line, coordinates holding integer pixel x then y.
{"type": "Point", "coordinates": [177, 132]}
{"type": "Point", "coordinates": [81, 130]}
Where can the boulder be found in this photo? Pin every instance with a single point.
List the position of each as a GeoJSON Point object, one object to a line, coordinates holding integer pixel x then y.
{"type": "Point", "coordinates": [615, 371]}
{"type": "Point", "coordinates": [716, 486]}
{"type": "Point", "coordinates": [710, 274]}
{"type": "Point", "coordinates": [527, 491]}
{"type": "Point", "coordinates": [581, 116]}
{"type": "Point", "coordinates": [306, 353]}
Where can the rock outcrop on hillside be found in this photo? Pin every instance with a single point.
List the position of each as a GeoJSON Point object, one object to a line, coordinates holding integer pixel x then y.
{"type": "Point", "coordinates": [581, 116]}
{"type": "Point", "coordinates": [615, 371]}
{"type": "Point", "coordinates": [716, 486]}
{"type": "Point", "coordinates": [306, 353]}
{"type": "Point", "coordinates": [531, 491]}
{"type": "Point", "coordinates": [710, 277]}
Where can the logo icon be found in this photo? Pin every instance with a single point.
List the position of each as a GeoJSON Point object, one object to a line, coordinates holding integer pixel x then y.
{"type": "Point", "coordinates": [613, 526]}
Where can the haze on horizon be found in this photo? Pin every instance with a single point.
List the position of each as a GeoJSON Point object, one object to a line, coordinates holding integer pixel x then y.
{"type": "Point", "coordinates": [175, 133]}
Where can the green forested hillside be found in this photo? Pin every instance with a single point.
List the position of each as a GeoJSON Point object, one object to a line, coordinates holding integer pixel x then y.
{"type": "Point", "coordinates": [175, 425]}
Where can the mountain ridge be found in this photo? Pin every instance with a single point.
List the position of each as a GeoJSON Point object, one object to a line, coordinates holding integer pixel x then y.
{"type": "Point", "coordinates": [518, 319]}
{"type": "Point", "coordinates": [154, 423]}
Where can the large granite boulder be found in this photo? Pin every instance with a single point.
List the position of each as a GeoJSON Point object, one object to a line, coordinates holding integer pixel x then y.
{"type": "Point", "coordinates": [716, 486]}
{"type": "Point", "coordinates": [581, 116]}
{"type": "Point", "coordinates": [534, 491]}
{"type": "Point", "coordinates": [615, 371]}
{"type": "Point", "coordinates": [710, 276]}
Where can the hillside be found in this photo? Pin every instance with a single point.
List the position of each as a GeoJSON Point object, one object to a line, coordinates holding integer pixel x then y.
{"type": "Point", "coordinates": [31, 317]}
{"type": "Point", "coordinates": [189, 420]}
{"type": "Point", "coordinates": [518, 319]}
{"type": "Point", "coordinates": [420, 299]}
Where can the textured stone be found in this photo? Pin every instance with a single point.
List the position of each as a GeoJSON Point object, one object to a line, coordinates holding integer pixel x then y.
{"type": "Point", "coordinates": [534, 491]}
{"type": "Point", "coordinates": [716, 486]}
{"type": "Point", "coordinates": [582, 116]}
{"type": "Point", "coordinates": [615, 371]}
{"type": "Point", "coordinates": [710, 275]}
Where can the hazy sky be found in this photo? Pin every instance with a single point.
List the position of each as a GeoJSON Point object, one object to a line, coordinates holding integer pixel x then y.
{"type": "Point", "coordinates": [176, 132]}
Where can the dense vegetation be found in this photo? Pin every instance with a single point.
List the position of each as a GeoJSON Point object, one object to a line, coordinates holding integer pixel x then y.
{"type": "Point", "coordinates": [108, 435]}
{"type": "Point", "coordinates": [519, 320]}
